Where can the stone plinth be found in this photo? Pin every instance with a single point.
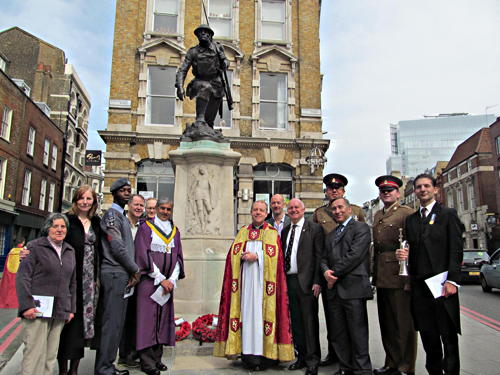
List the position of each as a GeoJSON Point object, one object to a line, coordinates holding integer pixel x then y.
{"type": "Point", "coordinates": [204, 214]}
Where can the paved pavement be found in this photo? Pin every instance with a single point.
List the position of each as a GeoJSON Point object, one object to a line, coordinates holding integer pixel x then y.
{"type": "Point", "coordinates": [479, 350]}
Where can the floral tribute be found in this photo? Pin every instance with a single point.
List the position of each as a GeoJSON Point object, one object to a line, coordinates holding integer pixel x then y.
{"type": "Point", "coordinates": [183, 331]}
{"type": "Point", "coordinates": [203, 331]}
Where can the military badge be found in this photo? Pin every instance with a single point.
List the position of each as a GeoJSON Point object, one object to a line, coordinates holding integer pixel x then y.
{"type": "Point", "coordinates": [236, 248]}
{"type": "Point", "coordinates": [268, 328]}
{"type": "Point", "coordinates": [235, 324]}
{"type": "Point", "coordinates": [271, 250]}
{"type": "Point", "coordinates": [270, 288]}
{"type": "Point", "coordinates": [253, 234]}
{"type": "Point", "coordinates": [234, 285]}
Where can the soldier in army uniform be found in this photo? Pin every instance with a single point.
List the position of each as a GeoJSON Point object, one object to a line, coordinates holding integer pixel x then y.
{"type": "Point", "coordinates": [335, 188]}
{"type": "Point", "coordinates": [207, 61]}
{"type": "Point", "coordinates": [393, 298]}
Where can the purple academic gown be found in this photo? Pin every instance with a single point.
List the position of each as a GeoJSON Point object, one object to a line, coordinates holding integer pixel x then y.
{"type": "Point", "coordinates": [155, 323]}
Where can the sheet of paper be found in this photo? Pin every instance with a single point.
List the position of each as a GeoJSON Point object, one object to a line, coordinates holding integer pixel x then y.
{"type": "Point", "coordinates": [44, 304]}
{"type": "Point", "coordinates": [159, 297]}
{"type": "Point", "coordinates": [129, 291]}
{"type": "Point", "coordinates": [435, 283]}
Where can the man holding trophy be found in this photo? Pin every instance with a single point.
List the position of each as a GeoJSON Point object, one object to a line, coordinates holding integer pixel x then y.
{"type": "Point", "coordinates": [393, 297]}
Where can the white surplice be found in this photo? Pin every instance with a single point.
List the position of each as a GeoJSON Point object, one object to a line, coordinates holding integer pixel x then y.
{"type": "Point", "coordinates": [252, 280]}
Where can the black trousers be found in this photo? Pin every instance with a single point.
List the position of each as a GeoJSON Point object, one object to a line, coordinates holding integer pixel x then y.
{"type": "Point", "coordinates": [127, 342]}
{"type": "Point", "coordinates": [349, 327]}
{"type": "Point", "coordinates": [113, 310]}
{"type": "Point", "coordinates": [437, 331]}
{"type": "Point", "coordinates": [305, 322]}
{"type": "Point", "coordinates": [150, 357]}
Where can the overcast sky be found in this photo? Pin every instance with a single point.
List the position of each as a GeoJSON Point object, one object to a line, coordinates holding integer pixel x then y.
{"type": "Point", "coordinates": [383, 61]}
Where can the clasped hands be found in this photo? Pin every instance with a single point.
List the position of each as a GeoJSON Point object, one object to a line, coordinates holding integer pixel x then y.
{"type": "Point", "coordinates": [330, 278]}
{"type": "Point", "coordinates": [248, 256]}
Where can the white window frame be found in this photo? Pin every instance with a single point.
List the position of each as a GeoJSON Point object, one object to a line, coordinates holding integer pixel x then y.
{"type": "Point", "coordinates": [277, 101]}
{"type": "Point", "coordinates": [54, 157]}
{"type": "Point", "coordinates": [26, 188]}
{"type": "Point", "coordinates": [149, 96]}
{"type": "Point", "coordinates": [46, 152]}
{"type": "Point", "coordinates": [52, 191]}
{"type": "Point", "coordinates": [154, 13]}
{"type": "Point", "coordinates": [284, 22]}
{"type": "Point", "coordinates": [213, 18]}
{"type": "Point", "coordinates": [30, 147]}
{"type": "Point", "coordinates": [43, 194]}
{"type": "Point", "coordinates": [471, 195]}
{"type": "Point", "coordinates": [3, 174]}
{"type": "Point", "coordinates": [6, 123]}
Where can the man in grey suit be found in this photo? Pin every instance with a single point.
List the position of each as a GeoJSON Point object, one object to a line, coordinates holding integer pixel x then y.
{"type": "Point", "coordinates": [278, 219]}
{"type": "Point", "coordinates": [345, 266]}
{"type": "Point", "coordinates": [302, 242]}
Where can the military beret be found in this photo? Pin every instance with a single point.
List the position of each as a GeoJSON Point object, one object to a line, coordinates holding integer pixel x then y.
{"type": "Point", "coordinates": [388, 182]}
{"type": "Point", "coordinates": [332, 179]}
{"type": "Point", "coordinates": [118, 184]}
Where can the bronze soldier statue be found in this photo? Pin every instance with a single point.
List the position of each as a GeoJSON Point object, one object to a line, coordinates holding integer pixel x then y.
{"type": "Point", "coordinates": [208, 63]}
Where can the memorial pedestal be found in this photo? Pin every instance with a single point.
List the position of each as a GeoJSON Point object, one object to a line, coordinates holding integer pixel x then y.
{"type": "Point", "coordinates": [204, 214]}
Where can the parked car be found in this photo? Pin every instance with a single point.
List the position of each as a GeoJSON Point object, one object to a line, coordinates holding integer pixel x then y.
{"type": "Point", "coordinates": [490, 273]}
{"type": "Point", "coordinates": [471, 264]}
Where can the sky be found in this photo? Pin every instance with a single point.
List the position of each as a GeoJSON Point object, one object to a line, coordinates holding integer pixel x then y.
{"type": "Point", "coordinates": [383, 61]}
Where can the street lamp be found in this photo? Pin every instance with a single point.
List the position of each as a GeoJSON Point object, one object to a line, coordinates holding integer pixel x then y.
{"type": "Point", "coordinates": [316, 158]}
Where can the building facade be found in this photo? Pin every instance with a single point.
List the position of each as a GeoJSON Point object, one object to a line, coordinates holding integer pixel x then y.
{"type": "Point", "coordinates": [469, 183]}
{"type": "Point", "coordinates": [416, 145]}
{"type": "Point", "coordinates": [494, 221]}
{"type": "Point", "coordinates": [30, 165]}
{"type": "Point", "coordinates": [275, 80]}
{"type": "Point", "coordinates": [43, 72]}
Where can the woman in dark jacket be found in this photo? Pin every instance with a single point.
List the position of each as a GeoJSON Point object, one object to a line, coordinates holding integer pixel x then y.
{"type": "Point", "coordinates": [46, 290]}
{"type": "Point", "coordinates": [84, 235]}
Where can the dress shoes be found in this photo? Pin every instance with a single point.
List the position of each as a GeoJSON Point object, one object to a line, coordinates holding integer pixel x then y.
{"type": "Point", "coordinates": [161, 366]}
{"type": "Point", "coordinates": [120, 372]}
{"type": "Point", "coordinates": [129, 362]}
{"type": "Point", "coordinates": [297, 365]}
{"type": "Point", "coordinates": [386, 371]}
{"type": "Point", "coordinates": [312, 371]}
{"type": "Point", "coordinates": [152, 372]}
{"type": "Point", "coordinates": [329, 360]}
{"type": "Point", "coordinates": [406, 373]}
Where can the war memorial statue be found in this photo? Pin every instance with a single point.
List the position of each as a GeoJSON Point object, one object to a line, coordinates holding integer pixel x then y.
{"type": "Point", "coordinates": [208, 63]}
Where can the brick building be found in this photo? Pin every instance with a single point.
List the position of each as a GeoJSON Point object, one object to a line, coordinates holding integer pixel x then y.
{"type": "Point", "coordinates": [275, 78]}
{"type": "Point", "coordinates": [42, 70]}
{"type": "Point", "coordinates": [30, 165]}
{"type": "Point", "coordinates": [494, 221]}
{"type": "Point", "coordinates": [469, 182]}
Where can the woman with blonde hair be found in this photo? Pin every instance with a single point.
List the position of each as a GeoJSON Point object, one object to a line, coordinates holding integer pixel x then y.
{"type": "Point", "coordinates": [84, 235]}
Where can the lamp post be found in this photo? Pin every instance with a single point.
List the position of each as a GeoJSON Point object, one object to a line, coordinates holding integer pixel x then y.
{"type": "Point", "coordinates": [316, 158]}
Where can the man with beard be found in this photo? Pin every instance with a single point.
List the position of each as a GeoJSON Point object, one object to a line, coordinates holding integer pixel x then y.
{"type": "Point", "coordinates": [254, 320]}
{"type": "Point", "coordinates": [158, 252]}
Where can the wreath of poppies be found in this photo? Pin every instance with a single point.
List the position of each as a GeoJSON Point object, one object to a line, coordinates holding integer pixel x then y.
{"type": "Point", "coordinates": [203, 331]}
{"type": "Point", "coordinates": [183, 331]}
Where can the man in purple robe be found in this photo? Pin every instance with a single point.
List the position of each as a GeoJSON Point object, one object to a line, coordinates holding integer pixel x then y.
{"type": "Point", "coordinates": [158, 253]}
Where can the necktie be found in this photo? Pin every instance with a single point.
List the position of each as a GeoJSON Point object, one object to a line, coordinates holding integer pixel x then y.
{"type": "Point", "coordinates": [288, 255]}
{"type": "Point", "coordinates": [338, 231]}
{"type": "Point", "coordinates": [423, 211]}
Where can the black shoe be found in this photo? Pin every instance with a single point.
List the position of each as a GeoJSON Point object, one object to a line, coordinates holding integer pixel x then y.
{"type": "Point", "coordinates": [152, 372]}
{"type": "Point", "coordinates": [386, 371]}
{"type": "Point", "coordinates": [329, 360]}
{"type": "Point", "coordinates": [120, 372]}
{"type": "Point", "coordinates": [406, 373]}
{"type": "Point", "coordinates": [343, 372]}
{"type": "Point", "coordinates": [129, 362]}
{"type": "Point", "coordinates": [297, 365]}
{"type": "Point", "coordinates": [161, 366]}
{"type": "Point", "coordinates": [312, 371]}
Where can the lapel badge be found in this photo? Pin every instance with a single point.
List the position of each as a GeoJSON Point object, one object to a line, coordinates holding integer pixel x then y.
{"type": "Point", "coordinates": [433, 217]}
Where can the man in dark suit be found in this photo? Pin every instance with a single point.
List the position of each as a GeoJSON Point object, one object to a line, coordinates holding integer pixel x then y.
{"type": "Point", "coordinates": [278, 219]}
{"type": "Point", "coordinates": [436, 246]}
{"type": "Point", "coordinates": [346, 267]}
{"type": "Point", "coordinates": [302, 242]}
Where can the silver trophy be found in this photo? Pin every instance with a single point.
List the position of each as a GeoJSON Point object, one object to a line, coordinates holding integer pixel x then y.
{"type": "Point", "coordinates": [403, 264]}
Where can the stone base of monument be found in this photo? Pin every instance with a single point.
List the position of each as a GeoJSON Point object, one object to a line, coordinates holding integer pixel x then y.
{"type": "Point", "coordinates": [204, 214]}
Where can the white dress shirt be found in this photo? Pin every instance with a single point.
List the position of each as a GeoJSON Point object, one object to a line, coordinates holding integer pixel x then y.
{"type": "Point", "coordinates": [293, 259]}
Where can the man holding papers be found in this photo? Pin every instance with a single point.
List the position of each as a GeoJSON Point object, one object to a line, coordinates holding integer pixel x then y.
{"type": "Point", "coordinates": [434, 233]}
{"type": "Point", "coordinates": [158, 253]}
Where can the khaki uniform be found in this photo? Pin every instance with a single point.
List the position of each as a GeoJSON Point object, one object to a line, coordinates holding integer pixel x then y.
{"type": "Point", "coordinates": [324, 217]}
{"type": "Point", "coordinates": [396, 325]}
